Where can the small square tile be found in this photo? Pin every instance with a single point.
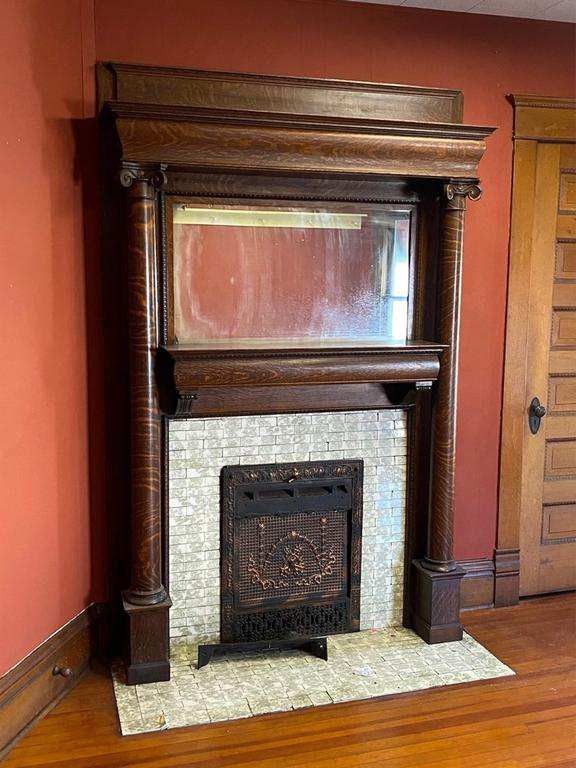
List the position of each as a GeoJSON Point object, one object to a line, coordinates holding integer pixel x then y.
{"type": "Point", "coordinates": [360, 665]}
{"type": "Point", "coordinates": [199, 448]}
{"type": "Point", "coordinates": [300, 701]}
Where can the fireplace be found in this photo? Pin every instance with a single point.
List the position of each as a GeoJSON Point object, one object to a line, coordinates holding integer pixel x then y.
{"type": "Point", "coordinates": [201, 449]}
{"type": "Point", "coordinates": [293, 250]}
{"type": "Point", "coordinates": [291, 549]}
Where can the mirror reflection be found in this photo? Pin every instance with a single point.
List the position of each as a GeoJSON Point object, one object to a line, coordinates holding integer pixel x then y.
{"type": "Point", "coordinates": [289, 274]}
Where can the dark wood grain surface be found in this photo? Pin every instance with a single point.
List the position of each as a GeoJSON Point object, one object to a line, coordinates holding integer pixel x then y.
{"type": "Point", "coordinates": [146, 583]}
{"type": "Point", "coordinates": [28, 690]}
{"type": "Point", "coordinates": [440, 553]}
{"type": "Point", "coordinates": [435, 602]}
{"type": "Point", "coordinates": [307, 398]}
{"type": "Point", "coordinates": [527, 721]}
{"type": "Point", "coordinates": [145, 601]}
{"type": "Point", "coordinates": [196, 371]}
{"type": "Point", "coordinates": [231, 378]}
{"type": "Point", "coordinates": [138, 83]}
{"type": "Point", "coordinates": [273, 148]}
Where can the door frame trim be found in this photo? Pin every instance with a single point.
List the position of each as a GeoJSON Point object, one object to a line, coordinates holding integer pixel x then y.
{"type": "Point", "coordinates": [536, 120]}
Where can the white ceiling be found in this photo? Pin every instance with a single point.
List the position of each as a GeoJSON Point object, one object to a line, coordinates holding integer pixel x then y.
{"type": "Point", "coordinates": [549, 10]}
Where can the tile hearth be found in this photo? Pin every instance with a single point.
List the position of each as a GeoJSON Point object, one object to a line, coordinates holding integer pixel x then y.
{"type": "Point", "coordinates": [361, 665]}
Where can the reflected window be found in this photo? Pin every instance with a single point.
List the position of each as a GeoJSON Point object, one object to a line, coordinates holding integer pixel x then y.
{"type": "Point", "coordinates": [289, 273]}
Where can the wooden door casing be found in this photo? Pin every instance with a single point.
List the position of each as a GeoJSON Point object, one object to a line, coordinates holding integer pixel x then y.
{"type": "Point", "coordinates": [536, 542]}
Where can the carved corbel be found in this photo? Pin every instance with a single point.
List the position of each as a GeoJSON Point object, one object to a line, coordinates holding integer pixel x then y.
{"type": "Point", "coordinates": [185, 405]}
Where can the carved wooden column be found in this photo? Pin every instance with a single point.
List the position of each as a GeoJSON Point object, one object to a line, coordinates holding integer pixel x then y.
{"type": "Point", "coordinates": [437, 577]}
{"type": "Point", "coordinates": [146, 602]}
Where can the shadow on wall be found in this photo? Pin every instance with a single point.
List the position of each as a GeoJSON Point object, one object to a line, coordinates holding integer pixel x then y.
{"type": "Point", "coordinates": [107, 344]}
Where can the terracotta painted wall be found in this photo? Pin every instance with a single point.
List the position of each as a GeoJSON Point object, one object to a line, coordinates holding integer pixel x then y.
{"type": "Point", "coordinates": [45, 571]}
{"type": "Point", "coordinates": [486, 57]}
{"type": "Point", "coordinates": [51, 546]}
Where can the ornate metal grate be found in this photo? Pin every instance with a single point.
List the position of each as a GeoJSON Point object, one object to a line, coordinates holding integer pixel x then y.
{"type": "Point", "coordinates": [291, 544]}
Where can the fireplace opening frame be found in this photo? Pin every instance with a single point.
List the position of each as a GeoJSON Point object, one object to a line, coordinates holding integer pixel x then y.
{"type": "Point", "coordinates": [316, 505]}
{"type": "Point", "coordinates": [174, 133]}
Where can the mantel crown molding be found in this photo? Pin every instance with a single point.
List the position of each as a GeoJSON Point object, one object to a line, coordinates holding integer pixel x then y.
{"type": "Point", "coordinates": [191, 120]}
{"type": "Point", "coordinates": [173, 86]}
{"type": "Point", "coordinates": [393, 125]}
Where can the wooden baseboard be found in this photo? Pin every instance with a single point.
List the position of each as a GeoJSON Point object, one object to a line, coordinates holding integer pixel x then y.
{"type": "Point", "coordinates": [477, 585]}
{"type": "Point", "coordinates": [489, 582]}
{"type": "Point", "coordinates": [38, 682]}
{"type": "Point", "coordinates": [507, 577]}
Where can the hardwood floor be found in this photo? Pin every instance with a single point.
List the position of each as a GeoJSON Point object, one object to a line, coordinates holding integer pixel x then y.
{"type": "Point", "coordinates": [528, 721]}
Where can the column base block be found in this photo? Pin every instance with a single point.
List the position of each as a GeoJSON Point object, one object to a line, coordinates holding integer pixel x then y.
{"type": "Point", "coordinates": [147, 657]}
{"type": "Point", "coordinates": [435, 612]}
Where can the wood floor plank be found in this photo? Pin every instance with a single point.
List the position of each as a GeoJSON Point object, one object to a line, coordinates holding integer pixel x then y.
{"type": "Point", "coordinates": [528, 721]}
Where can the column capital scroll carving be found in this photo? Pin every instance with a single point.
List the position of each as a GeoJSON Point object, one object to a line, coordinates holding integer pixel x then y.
{"type": "Point", "coordinates": [457, 192]}
{"type": "Point", "coordinates": [154, 175]}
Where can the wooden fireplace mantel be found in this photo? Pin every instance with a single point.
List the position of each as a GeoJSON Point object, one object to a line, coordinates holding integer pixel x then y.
{"type": "Point", "coordinates": [195, 138]}
{"type": "Point", "coordinates": [193, 373]}
{"type": "Point", "coordinates": [174, 133]}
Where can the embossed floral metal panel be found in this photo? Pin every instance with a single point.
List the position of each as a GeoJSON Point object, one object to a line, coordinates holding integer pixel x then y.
{"type": "Point", "coordinates": [290, 550]}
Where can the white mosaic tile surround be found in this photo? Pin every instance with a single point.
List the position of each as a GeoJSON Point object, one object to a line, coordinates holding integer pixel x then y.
{"type": "Point", "coordinates": [360, 665]}
{"type": "Point", "coordinates": [199, 448]}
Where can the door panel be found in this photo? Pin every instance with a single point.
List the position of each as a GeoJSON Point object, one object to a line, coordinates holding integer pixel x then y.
{"type": "Point", "coordinates": [567, 201]}
{"type": "Point", "coordinates": [548, 504]}
{"type": "Point", "coordinates": [566, 266]}
{"type": "Point", "coordinates": [560, 459]}
{"type": "Point", "coordinates": [561, 362]}
{"type": "Point", "coordinates": [559, 522]}
{"type": "Point", "coordinates": [561, 491]}
{"type": "Point", "coordinates": [562, 395]}
{"type": "Point", "coordinates": [564, 294]}
{"type": "Point", "coordinates": [566, 225]}
{"type": "Point", "coordinates": [563, 328]}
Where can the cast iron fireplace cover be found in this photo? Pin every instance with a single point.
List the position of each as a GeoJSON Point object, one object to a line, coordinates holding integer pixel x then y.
{"type": "Point", "coordinates": [291, 549]}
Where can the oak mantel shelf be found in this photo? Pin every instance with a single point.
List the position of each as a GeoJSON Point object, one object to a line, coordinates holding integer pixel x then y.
{"type": "Point", "coordinates": [188, 369]}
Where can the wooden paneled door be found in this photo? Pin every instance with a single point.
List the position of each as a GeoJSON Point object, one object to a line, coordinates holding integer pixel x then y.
{"type": "Point", "coordinates": [538, 469]}
{"type": "Point", "coordinates": [548, 520]}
